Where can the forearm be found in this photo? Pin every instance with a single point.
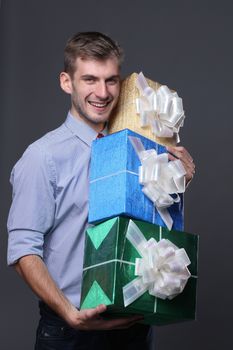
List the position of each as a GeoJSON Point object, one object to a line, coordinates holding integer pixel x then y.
{"type": "Point", "coordinates": [35, 273]}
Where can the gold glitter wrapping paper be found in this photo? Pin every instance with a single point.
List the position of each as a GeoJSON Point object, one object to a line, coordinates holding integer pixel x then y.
{"type": "Point", "coordinates": [124, 115]}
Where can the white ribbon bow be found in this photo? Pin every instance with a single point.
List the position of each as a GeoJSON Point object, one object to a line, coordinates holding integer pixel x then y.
{"type": "Point", "coordinates": [161, 109]}
{"type": "Point", "coordinates": [162, 268]}
{"type": "Point", "coordinates": [160, 178]}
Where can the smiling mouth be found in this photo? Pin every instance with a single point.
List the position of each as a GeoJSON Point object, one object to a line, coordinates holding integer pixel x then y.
{"type": "Point", "coordinates": [99, 104]}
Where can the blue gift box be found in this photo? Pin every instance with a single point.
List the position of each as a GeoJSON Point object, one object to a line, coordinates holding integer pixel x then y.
{"type": "Point", "coordinates": [114, 184]}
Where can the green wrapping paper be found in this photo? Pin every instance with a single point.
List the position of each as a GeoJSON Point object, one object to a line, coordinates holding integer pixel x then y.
{"type": "Point", "coordinates": [109, 264]}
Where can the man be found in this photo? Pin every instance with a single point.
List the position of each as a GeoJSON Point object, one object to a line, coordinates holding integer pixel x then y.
{"type": "Point", "coordinates": [48, 216]}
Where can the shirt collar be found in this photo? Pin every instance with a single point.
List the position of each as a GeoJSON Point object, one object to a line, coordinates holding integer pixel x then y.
{"type": "Point", "coordinates": [82, 130]}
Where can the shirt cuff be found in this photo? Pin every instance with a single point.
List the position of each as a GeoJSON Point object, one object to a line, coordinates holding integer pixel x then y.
{"type": "Point", "coordinates": [24, 242]}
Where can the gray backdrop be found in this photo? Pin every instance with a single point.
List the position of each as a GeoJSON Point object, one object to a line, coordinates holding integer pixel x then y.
{"type": "Point", "coordinates": [184, 44]}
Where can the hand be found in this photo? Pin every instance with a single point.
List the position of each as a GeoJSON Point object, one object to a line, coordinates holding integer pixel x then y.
{"type": "Point", "coordinates": [179, 152]}
{"type": "Point", "coordinates": [90, 319]}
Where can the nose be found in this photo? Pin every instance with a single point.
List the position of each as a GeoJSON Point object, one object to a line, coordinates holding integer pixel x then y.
{"type": "Point", "coordinates": [101, 90]}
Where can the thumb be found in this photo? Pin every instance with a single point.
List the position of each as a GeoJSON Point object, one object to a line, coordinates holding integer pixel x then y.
{"type": "Point", "coordinates": [92, 313]}
{"type": "Point", "coordinates": [100, 308]}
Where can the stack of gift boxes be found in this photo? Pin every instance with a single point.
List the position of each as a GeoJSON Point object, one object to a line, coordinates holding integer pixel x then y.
{"type": "Point", "coordinates": [135, 261]}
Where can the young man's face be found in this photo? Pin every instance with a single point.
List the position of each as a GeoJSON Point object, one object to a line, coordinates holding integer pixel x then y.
{"type": "Point", "coordinates": [94, 91]}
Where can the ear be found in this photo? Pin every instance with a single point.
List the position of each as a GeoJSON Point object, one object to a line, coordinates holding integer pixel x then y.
{"type": "Point", "coordinates": [66, 82]}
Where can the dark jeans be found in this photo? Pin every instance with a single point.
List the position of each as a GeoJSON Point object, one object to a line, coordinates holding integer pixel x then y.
{"type": "Point", "coordinates": [54, 334]}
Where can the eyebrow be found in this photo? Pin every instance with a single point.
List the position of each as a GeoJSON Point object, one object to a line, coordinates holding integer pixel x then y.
{"type": "Point", "coordinates": [90, 76]}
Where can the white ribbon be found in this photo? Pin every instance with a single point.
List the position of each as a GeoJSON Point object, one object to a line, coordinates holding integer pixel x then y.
{"type": "Point", "coordinates": [160, 178]}
{"type": "Point", "coordinates": [162, 268]}
{"type": "Point", "coordinates": [161, 109]}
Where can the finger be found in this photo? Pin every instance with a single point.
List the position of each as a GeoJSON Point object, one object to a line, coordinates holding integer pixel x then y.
{"type": "Point", "coordinates": [190, 171]}
{"type": "Point", "coordinates": [181, 157]}
{"type": "Point", "coordinates": [93, 313]}
{"type": "Point", "coordinates": [188, 165]}
{"type": "Point", "coordinates": [120, 323]}
{"type": "Point", "coordinates": [134, 322]}
{"type": "Point", "coordinates": [104, 324]}
{"type": "Point", "coordinates": [172, 156]}
{"type": "Point", "coordinates": [179, 152]}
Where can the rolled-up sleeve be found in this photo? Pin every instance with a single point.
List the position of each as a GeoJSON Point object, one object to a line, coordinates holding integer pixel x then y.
{"type": "Point", "coordinates": [31, 214]}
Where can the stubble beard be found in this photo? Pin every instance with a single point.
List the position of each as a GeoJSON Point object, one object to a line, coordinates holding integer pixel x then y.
{"type": "Point", "coordinates": [85, 116]}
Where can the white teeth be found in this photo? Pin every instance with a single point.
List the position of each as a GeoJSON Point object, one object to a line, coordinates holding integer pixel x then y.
{"type": "Point", "coordinates": [99, 105]}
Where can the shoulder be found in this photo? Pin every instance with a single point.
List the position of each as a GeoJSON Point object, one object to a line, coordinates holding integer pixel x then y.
{"type": "Point", "coordinates": [43, 149]}
{"type": "Point", "coordinates": [52, 139]}
{"type": "Point", "coordinates": [38, 156]}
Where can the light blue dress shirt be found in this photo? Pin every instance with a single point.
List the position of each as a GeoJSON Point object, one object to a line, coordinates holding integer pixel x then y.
{"type": "Point", "coordinates": [49, 211]}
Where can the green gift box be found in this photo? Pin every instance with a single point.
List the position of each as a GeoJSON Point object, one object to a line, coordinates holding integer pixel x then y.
{"type": "Point", "coordinates": [109, 265]}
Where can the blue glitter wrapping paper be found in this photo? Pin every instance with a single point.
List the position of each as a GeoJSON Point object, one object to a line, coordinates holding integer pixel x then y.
{"type": "Point", "coordinates": [114, 185]}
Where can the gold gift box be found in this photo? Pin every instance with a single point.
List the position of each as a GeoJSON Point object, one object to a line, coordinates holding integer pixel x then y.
{"type": "Point", "coordinates": [125, 115]}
